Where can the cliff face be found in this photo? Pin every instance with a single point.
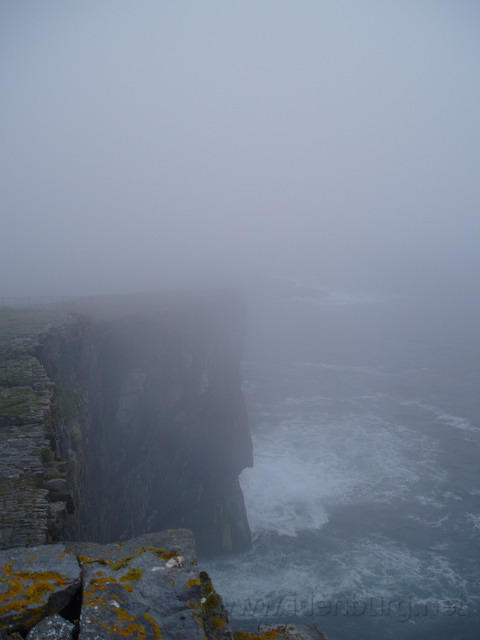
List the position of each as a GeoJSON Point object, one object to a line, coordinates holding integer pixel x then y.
{"type": "Point", "coordinates": [151, 421]}
{"type": "Point", "coordinates": [33, 500]}
{"type": "Point", "coordinates": [124, 420]}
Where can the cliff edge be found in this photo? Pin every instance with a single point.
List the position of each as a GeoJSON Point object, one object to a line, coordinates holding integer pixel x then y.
{"type": "Point", "coordinates": [124, 419]}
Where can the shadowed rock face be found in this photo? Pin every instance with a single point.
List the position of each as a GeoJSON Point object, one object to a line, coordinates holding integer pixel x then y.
{"type": "Point", "coordinates": [152, 422]}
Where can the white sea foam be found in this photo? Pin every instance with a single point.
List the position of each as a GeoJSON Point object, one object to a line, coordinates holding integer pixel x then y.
{"type": "Point", "coordinates": [342, 368]}
{"type": "Point", "coordinates": [313, 453]}
{"type": "Point", "coordinates": [310, 461]}
{"type": "Point", "coordinates": [371, 568]}
{"type": "Point", "coordinates": [456, 422]}
{"type": "Point", "coordinates": [474, 519]}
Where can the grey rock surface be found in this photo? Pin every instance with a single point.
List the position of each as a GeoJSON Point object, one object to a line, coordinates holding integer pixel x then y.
{"type": "Point", "coordinates": [52, 628]}
{"type": "Point", "coordinates": [35, 582]}
{"type": "Point", "coordinates": [292, 632]}
{"type": "Point", "coordinates": [146, 588]}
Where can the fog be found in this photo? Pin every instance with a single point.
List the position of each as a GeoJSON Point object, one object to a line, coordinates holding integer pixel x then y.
{"type": "Point", "coordinates": [150, 144]}
{"type": "Point", "coordinates": [163, 144]}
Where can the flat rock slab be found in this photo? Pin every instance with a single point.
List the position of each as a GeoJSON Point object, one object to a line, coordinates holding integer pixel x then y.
{"type": "Point", "coordinates": [35, 582]}
{"type": "Point", "coordinates": [292, 632]}
{"type": "Point", "coordinates": [52, 628]}
{"type": "Point", "coordinates": [145, 588]}
{"type": "Point", "coordinates": [282, 632]}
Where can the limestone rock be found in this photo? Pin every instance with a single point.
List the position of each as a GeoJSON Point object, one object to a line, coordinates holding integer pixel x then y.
{"type": "Point", "coordinates": [215, 617]}
{"type": "Point", "coordinates": [144, 588]}
{"type": "Point", "coordinates": [282, 632]}
{"type": "Point", "coordinates": [25, 446]}
{"type": "Point", "coordinates": [35, 582]}
{"type": "Point", "coordinates": [292, 632]}
{"type": "Point", "coordinates": [52, 628]}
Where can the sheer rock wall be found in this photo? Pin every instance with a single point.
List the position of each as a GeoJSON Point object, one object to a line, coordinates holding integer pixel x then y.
{"type": "Point", "coordinates": [151, 421]}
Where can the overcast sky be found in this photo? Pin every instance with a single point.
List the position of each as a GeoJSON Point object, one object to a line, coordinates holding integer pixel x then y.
{"type": "Point", "coordinates": [147, 143]}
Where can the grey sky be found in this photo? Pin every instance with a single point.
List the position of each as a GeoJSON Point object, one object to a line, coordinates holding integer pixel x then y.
{"type": "Point", "coordinates": [148, 143]}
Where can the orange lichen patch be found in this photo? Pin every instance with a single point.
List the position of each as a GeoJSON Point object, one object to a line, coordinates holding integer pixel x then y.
{"type": "Point", "coordinates": [91, 596]}
{"type": "Point", "coordinates": [15, 588]}
{"type": "Point", "coordinates": [280, 631]}
{"type": "Point", "coordinates": [132, 630]}
{"type": "Point", "coordinates": [127, 625]}
{"type": "Point", "coordinates": [52, 576]}
{"type": "Point", "coordinates": [26, 588]}
{"type": "Point", "coordinates": [212, 601]}
{"type": "Point", "coordinates": [265, 635]}
{"type": "Point", "coordinates": [99, 584]}
{"type": "Point", "coordinates": [87, 560]}
{"type": "Point", "coordinates": [124, 616]}
{"type": "Point", "coordinates": [38, 590]}
{"type": "Point", "coordinates": [217, 622]}
{"type": "Point", "coordinates": [192, 582]}
{"type": "Point", "coordinates": [94, 602]}
{"type": "Point", "coordinates": [124, 562]}
{"type": "Point", "coordinates": [132, 575]}
{"type": "Point", "coordinates": [99, 574]}
{"type": "Point", "coordinates": [92, 599]}
{"type": "Point", "coordinates": [95, 595]}
{"type": "Point", "coordinates": [153, 622]}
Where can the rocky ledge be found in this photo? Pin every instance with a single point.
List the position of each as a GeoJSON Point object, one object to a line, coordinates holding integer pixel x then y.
{"type": "Point", "coordinates": [149, 588]}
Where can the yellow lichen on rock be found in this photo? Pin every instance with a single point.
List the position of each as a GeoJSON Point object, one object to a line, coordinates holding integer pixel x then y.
{"type": "Point", "coordinates": [192, 582]}
{"type": "Point", "coordinates": [153, 622]}
{"type": "Point", "coordinates": [265, 635]}
{"type": "Point", "coordinates": [132, 575]}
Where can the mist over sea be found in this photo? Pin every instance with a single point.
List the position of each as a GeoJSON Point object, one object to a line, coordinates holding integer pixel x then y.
{"type": "Point", "coordinates": [364, 499]}
{"type": "Point", "coordinates": [162, 146]}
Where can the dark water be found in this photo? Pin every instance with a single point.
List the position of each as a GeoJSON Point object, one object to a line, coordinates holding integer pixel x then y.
{"type": "Point", "coordinates": [365, 495]}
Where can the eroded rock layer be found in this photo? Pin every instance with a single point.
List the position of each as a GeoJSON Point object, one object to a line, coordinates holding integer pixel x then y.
{"type": "Point", "coordinates": [31, 513]}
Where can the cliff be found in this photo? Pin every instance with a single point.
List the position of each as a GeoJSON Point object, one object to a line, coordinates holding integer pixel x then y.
{"type": "Point", "coordinates": [124, 419]}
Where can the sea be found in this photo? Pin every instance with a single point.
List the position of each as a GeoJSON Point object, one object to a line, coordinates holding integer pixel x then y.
{"type": "Point", "coordinates": [364, 496]}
